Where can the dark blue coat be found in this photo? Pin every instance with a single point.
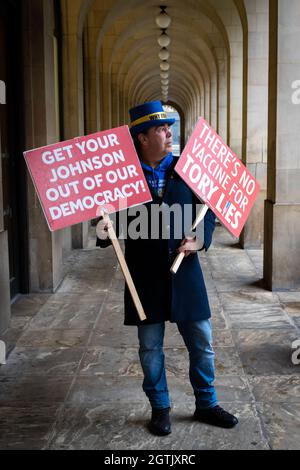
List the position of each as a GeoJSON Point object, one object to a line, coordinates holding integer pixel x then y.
{"type": "Point", "coordinates": [179, 297]}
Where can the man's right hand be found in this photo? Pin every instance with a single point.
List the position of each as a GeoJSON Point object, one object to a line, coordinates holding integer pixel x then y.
{"type": "Point", "coordinates": [103, 226]}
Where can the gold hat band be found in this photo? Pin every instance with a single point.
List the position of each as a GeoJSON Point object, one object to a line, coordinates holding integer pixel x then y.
{"type": "Point", "coordinates": [149, 117]}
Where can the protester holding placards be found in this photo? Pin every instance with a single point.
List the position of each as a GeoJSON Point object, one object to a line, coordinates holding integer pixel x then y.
{"type": "Point", "coordinates": [180, 298]}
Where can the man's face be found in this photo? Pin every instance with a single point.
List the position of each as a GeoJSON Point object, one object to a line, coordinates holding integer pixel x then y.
{"type": "Point", "coordinates": [158, 141]}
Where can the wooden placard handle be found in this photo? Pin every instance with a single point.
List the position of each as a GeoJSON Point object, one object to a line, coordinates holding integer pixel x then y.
{"type": "Point", "coordinates": [125, 270]}
{"type": "Point", "coordinates": [180, 256]}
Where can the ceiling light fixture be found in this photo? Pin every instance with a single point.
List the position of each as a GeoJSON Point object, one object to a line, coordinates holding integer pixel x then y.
{"type": "Point", "coordinates": [164, 75]}
{"type": "Point", "coordinates": [163, 20]}
{"type": "Point", "coordinates": [164, 54]}
{"type": "Point", "coordinates": [164, 40]}
{"type": "Point", "coordinates": [164, 66]}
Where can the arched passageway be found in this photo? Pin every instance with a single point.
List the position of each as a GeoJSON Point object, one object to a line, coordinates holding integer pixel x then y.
{"type": "Point", "coordinates": [231, 61]}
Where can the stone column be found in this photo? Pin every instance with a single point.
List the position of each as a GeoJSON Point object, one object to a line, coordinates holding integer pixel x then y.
{"type": "Point", "coordinates": [115, 96]}
{"type": "Point", "coordinates": [231, 41]}
{"type": "Point", "coordinates": [45, 248]}
{"type": "Point", "coordinates": [282, 207]}
{"type": "Point", "coordinates": [213, 100]}
{"type": "Point", "coordinates": [90, 65]}
{"type": "Point", "coordinates": [73, 90]}
{"type": "Point", "coordinates": [4, 265]}
{"type": "Point", "coordinates": [257, 115]}
{"type": "Point", "coordinates": [105, 77]}
{"type": "Point", "coordinates": [223, 94]}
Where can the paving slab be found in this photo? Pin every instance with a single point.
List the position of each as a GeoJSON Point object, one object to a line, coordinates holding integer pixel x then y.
{"type": "Point", "coordinates": [53, 338]}
{"type": "Point", "coordinates": [73, 379]}
{"type": "Point", "coordinates": [248, 283]}
{"type": "Point", "coordinates": [97, 389]}
{"type": "Point", "coordinates": [293, 296]}
{"type": "Point", "coordinates": [26, 428]}
{"type": "Point", "coordinates": [22, 391]}
{"type": "Point", "coordinates": [292, 309]}
{"type": "Point", "coordinates": [11, 337]}
{"type": "Point", "coordinates": [42, 361]}
{"type": "Point", "coordinates": [281, 424]}
{"type": "Point", "coordinates": [266, 352]}
{"type": "Point", "coordinates": [67, 314]}
{"type": "Point", "coordinates": [28, 304]}
{"type": "Point", "coordinates": [125, 361]}
{"type": "Point", "coordinates": [230, 266]}
{"type": "Point", "coordinates": [277, 389]}
{"type": "Point", "coordinates": [112, 426]}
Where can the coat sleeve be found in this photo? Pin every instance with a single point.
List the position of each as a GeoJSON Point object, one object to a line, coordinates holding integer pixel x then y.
{"type": "Point", "coordinates": [103, 243]}
{"type": "Point", "coordinates": [209, 227]}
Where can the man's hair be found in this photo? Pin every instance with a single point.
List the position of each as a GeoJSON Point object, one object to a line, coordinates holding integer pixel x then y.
{"type": "Point", "coordinates": [137, 143]}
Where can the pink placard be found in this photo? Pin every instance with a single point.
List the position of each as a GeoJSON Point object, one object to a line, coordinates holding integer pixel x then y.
{"type": "Point", "coordinates": [218, 177]}
{"type": "Point", "coordinates": [74, 177]}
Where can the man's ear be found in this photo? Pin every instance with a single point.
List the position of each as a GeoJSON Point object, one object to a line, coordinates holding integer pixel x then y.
{"type": "Point", "coordinates": [142, 138]}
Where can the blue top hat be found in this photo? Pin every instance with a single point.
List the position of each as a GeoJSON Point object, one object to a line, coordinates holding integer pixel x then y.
{"type": "Point", "coordinates": [148, 115]}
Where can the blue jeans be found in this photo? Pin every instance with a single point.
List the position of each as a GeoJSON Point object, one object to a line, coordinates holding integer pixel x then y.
{"type": "Point", "coordinates": [198, 340]}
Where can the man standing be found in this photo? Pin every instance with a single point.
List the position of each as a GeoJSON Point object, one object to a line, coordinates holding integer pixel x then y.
{"type": "Point", "coordinates": [179, 298]}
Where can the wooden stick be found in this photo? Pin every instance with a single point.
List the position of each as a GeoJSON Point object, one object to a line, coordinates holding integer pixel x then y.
{"type": "Point", "coordinates": [177, 263]}
{"type": "Point", "coordinates": [200, 216]}
{"type": "Point", "coordinates": [125, 270]}
{"type": "Point", "coordinates": [180, 256]}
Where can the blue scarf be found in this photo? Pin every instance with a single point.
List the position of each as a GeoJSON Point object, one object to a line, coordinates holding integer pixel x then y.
{"type": "Point", "coordinates": [157, 177]}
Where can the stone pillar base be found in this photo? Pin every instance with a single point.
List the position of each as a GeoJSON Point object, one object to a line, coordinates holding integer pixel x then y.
{"type": "Point", "coordinates": [4, 284]}
{"type": "Point", "coordinates": [80, 235]}
{"type": "Point", "coordinates": [252, 234]}
{"type": "Point", "coordinates": [282, 246]}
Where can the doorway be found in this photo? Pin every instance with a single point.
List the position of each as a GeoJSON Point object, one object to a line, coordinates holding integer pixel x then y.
{"type": "Point", "coordinates": [11, 132]}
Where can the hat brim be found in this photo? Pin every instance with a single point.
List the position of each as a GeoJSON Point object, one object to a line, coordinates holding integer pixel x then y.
{"type": "Point", "coordinates": [135, 130]}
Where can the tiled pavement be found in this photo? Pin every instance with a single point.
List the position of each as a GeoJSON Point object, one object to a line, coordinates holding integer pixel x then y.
{"type": "Point", "coordinates": [73, 379]}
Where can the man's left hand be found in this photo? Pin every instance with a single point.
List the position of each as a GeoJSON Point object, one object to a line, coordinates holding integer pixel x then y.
{"type": "Point", "coordinates": [189, 245]}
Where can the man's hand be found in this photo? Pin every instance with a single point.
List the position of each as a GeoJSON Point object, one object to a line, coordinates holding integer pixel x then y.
{"type": "Point", "coordinates": [103, 226]}
{"type": "Point", "coordinates": [189, 245]}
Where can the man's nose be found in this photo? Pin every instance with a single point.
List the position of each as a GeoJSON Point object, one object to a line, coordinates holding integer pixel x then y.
{"type": "Point", "coordinates": [168, 132]}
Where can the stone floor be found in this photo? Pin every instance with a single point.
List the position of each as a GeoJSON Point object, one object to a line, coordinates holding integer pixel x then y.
{"type": "Point", "coordinates": [73, 379]}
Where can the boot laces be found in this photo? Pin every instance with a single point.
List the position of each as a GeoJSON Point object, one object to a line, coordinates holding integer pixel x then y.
{"type": "Point", "coordinates": [220, 411]}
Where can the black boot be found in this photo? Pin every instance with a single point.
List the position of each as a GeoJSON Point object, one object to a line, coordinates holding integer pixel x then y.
{"type": "Point", "coordinates": [160, 424]}
{"type": "Point", "coordinates": [216, 416]}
